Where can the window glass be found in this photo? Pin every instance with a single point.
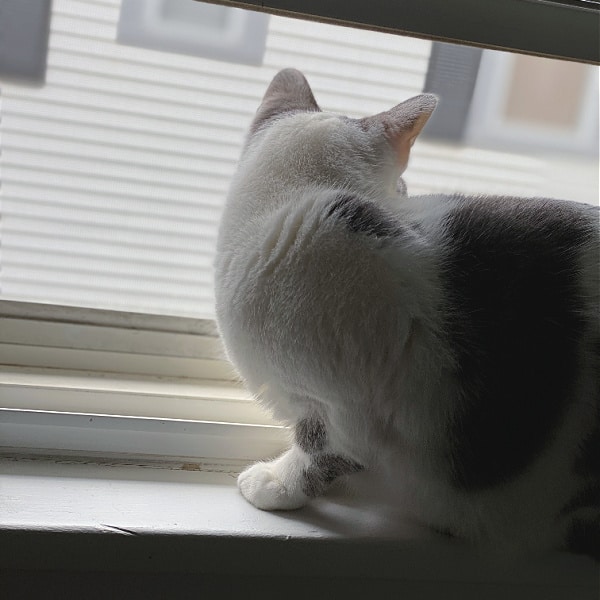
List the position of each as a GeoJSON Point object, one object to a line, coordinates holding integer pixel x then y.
{"type": "Point", "coordinates": [115, 170]}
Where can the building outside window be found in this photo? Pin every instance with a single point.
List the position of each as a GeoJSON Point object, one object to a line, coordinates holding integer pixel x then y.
{"type": "Point", "coordinates": [117, 157]}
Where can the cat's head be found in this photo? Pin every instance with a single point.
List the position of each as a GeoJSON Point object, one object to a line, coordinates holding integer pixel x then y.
{"type": "Point", "coordinates": [292, 137]}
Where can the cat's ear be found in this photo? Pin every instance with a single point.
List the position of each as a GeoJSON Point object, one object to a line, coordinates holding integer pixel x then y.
{"type": "Point", "coordinates": [402, 124]}
{"type": "Point", "coordinates": [288, 92]}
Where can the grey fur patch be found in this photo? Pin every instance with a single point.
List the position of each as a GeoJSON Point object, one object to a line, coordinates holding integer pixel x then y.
{"type": "Point", "coordinates": [510, 276]}
{"type": "Point", "coordinates": [588, 497]}
{"type": "Point", "coordinates": [362, 216]}
{"type": "Point", "coordinates": [588, 460]}
{"type": "Point", "coordinates": [312, 484]}
{"type": "Point", "coordinates": [311, 435]}
{"type": "Point", "coordinates": [324, 469]}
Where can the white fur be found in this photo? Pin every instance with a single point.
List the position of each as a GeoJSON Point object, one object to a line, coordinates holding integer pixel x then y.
{"type": "Point", "coordinates": [275, 485]}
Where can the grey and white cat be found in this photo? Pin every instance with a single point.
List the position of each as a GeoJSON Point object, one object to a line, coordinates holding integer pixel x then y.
{"type": "Point", "coordinates": [449, 345]}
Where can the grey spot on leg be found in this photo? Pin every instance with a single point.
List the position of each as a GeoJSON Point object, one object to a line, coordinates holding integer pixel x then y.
{"type": "Point", "coordinates": [334, 465]}
{"type": "Point", "coordinates": [313, 484]}
{"type": "Point", "coordinates": [323, 469]}
{"type": "Point", "coordinates": [311, 435]}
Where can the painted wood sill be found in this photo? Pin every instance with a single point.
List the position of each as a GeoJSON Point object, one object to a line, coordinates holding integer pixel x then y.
{"type": "Point", "coordinates": [73, 516]}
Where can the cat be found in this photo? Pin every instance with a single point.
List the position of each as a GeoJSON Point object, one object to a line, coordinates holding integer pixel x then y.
{"type": "Point", "coordinates": [448, 345]}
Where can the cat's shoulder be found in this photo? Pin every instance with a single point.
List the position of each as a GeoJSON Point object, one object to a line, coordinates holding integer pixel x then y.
{"type": "Point", "coordinates": [460, 215]}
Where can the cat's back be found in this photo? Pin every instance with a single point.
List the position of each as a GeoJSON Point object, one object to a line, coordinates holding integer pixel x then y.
{"type": "Point", "coordinates": [510, 254]}
{"type": "Point", "coordinates": [520, 282]}
{"type": "Point", "coordinates": [318, 283]}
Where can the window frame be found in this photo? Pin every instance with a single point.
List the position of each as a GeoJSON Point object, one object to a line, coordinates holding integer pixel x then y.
{"type": "Point", "coordinates": [568, 29]}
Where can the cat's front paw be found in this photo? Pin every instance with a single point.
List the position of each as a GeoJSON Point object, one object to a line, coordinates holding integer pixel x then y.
{"type": "Point", "coordinates": [261, 485]}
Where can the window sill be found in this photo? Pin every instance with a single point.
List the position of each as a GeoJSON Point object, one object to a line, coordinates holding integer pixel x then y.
{"type": "Point", "coordinates": [63, 517]}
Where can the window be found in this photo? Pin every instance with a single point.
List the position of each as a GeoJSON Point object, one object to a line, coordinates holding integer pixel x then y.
{"type": "Point", "coordinates": [195, 28]}
{"type": "Point", "coordinates": [514, 102]}
{"type": "Point", "coordinates": [113, 176]}
{"type": "Point", "coordinates": [24, 40]}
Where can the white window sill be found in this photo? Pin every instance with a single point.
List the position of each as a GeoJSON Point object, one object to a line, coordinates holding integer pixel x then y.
{"type": "Point", "coordinates": [61, 517]}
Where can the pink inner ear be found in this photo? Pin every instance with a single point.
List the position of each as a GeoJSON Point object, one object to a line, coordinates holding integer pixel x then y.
{"type": "Point", "coordinates": [402, 153]}
{"type": "Point", "coordinates": [403, 123]}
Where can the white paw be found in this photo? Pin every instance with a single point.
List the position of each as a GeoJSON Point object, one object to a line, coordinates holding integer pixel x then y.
{"type": "Point", "coordinates": [262, 487]}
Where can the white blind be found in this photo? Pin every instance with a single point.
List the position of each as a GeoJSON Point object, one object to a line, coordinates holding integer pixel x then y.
{"type": "Point", "coordinates": [114, 173]}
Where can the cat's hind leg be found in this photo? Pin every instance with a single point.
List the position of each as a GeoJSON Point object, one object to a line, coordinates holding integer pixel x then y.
{"type": "Point", "coordinates": [303, 472]}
